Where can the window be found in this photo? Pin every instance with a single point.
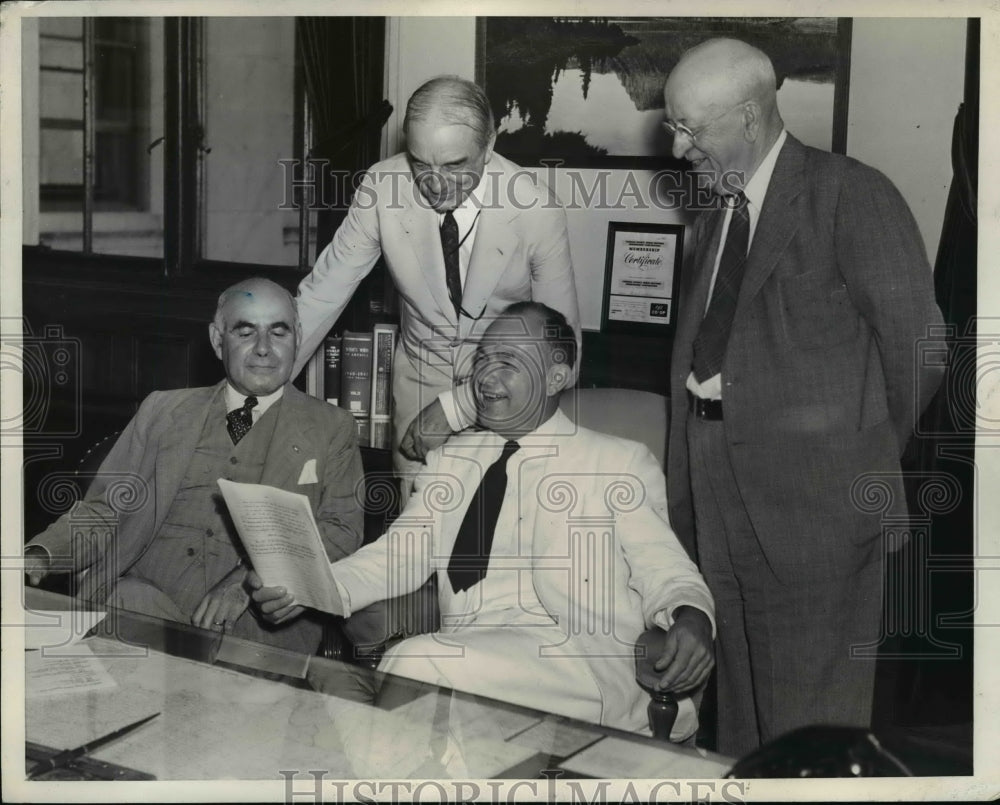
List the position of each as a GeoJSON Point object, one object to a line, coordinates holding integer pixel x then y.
{"type": "Point", "coordinates": [154, 132]}
{"type": "Point", "coordinates": [249, 121]}
{"type": "Point", "coordinates": [115, 64]}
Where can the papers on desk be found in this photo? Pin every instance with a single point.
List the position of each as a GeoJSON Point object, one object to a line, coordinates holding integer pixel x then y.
{"type": "Point", "coordinates": [280, 534]}
{"type": "Point", "coordinates": [64, 671]}
{"type": "Point", "coordinates": [51, 628]}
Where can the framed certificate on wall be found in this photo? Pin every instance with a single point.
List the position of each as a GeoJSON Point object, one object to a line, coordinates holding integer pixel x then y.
{"type": "Point", "coordinates": [641, 278]}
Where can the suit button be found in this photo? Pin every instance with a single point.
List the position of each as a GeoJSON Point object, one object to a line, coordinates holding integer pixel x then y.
{"type": "Point", "coordinates": [233, 460]}
{"type": "Point", "coordinates": [209, 532]}
{"type": "Point", "coordinates": [190, 551]}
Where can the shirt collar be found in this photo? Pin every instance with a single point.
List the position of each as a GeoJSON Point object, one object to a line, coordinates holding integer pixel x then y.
{"type": "Point", "coordinates": [235, 400]}
{"type": "Point", "coordinates": [756, 188]}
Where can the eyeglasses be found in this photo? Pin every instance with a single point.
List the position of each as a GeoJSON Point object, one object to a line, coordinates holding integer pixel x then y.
{"type": "Point", "coordinates": [674, 129]}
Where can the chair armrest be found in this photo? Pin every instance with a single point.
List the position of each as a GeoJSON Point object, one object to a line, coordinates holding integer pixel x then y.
{"type": "Point", "coordinates": [662, 709]}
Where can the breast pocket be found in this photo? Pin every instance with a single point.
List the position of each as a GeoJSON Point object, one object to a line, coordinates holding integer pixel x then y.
{"type": "Point", "coordinates": [816, 312]}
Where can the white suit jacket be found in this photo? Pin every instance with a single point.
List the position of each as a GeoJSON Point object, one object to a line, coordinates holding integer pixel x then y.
{"type": "Point", "coordinates": [521, 252]}
{"type": "Point", "coordinates": [597, 545]}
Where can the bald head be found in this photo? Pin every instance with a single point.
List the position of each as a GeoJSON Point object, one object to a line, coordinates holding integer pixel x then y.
{"type": "Point", "coordinates": [722, 99]}
{"type": "Point", "coordinates": [723, 72]}
{"type": "Point", "coordinates": [248, 289]}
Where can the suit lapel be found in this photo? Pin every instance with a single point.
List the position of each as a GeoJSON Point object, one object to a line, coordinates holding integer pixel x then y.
{"type": "Point", "coordinates": [703, 259]}
{"type": "Point", "coordinates": [496, 241]}
{"type": "Point", "coordinates": [176, 445]}
{"type": "Point", "coordinates": [776, 224]}
{"type": "Point", "coordinates": [291, 444]}
{"type": "Point", "coordinates": [423, 233]}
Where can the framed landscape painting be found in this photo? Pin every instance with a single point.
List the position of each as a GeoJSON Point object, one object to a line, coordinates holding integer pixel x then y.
{"type": "Point", "coordinates": [589, 91]}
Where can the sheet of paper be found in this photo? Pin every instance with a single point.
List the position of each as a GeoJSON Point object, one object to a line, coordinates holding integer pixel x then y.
{"type": "Point", "coordinates": [280, 534]}
{"type": "Point", "coordinates": [618, 757]}
{"type": "Point", "coordinates": [48, 673]}
{"type": "Point", "coordinates": [58, 628]}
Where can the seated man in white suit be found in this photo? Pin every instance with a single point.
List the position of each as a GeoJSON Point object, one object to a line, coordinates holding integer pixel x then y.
{"type": "Point", "coordinates": [552, 549]}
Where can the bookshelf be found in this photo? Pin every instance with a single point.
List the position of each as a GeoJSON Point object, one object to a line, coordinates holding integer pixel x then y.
{"type": "Point", "coordinates": [364, 338]}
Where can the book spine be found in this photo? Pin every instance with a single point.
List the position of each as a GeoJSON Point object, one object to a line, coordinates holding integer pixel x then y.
{"type": "Point", "coordinates": [363, 427]}
{"type": "Point", "coordinates": [332, 347]}
{"type": "Point", "coordinates": [356, 380]}
{"type": "Point", "coordinates": [383, 348]}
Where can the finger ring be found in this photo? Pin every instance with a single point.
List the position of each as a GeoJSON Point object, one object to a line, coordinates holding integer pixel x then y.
{"type": "Point", "coordinates": [218, 623]}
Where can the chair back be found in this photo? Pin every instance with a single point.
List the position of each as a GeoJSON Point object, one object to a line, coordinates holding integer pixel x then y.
{"type": "Point", "coordinates": [627, 413]}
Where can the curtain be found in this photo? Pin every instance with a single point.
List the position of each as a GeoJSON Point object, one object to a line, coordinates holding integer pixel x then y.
{"type": "Point", "coordinates": [342, 59]}
{"type": "Point", "coordinates": [932, 689]}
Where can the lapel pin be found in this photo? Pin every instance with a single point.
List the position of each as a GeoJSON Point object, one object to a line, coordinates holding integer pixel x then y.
{"type": "Point", "coordinates": [295, 447]}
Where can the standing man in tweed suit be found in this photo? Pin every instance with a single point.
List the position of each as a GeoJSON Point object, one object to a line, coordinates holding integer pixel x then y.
{"type": "Point", "coordinates": [177, 555]}
{"type": "Point", "coordinates": [793, 373]}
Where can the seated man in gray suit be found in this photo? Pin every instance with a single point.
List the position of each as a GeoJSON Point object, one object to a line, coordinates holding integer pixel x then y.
{"type": "Point", "coordinates": [172, 550]}
{"type": "Point", "coordinates": [551, 545]}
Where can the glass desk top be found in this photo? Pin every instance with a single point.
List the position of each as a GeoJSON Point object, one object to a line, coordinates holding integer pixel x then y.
{"type": "Point", "coordinates": [230, 709]}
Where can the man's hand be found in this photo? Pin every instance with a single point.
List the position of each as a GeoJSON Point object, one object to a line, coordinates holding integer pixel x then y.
{"type": "Point", "coordinates": [429, 429]}
{"type": "Point", "coordinates": [275, 603]}
{"type": "Point", "coordinates": [37, 564]}
{"type": "Point", "coordinates": [687, 652]}
{"type": "Point", "coordinates": [223, 604]}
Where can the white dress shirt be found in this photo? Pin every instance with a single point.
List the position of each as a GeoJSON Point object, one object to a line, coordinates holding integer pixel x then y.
{"type": "Point", "coordinates": [755, 191]}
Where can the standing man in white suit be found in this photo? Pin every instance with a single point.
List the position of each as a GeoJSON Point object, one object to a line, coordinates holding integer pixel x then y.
{"type": "Point", "coordinates": [464, 233]}
{"type": "Point", "coordinates": [552, 549]}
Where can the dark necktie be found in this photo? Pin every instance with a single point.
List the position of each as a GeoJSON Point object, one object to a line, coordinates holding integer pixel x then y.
{"type": "Point", "coordinates": [449, 246]}
{"type": "Point", "coordinates": [713, 336]}
{"type": "Point", "coordinates": [471, 554]}
{"type": "Point", "coordinates": [240, 420]}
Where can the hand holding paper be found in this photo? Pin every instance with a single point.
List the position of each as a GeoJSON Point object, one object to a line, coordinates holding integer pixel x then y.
{"type": "Point", "coordinates": [280, 534]}
{"type": "Point", "coordinates": [276, 604]}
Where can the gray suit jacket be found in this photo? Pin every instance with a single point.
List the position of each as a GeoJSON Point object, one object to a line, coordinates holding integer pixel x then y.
{"type": "Point", "coordinates": [821, 379]}
{"type": "Point", "coordinates": [138, 480]}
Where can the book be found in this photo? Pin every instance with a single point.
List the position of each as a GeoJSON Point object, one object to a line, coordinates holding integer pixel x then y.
{"type": "Point", "coordinates": [332, 346]}
{"type": "Point", "coordinates": [363, 425]}
{"type": "Point", "coordinates": [356, 379]}
{"type": "Point", "coordinates": [383, 349]}
{"type": "Point", "coordinates": [280, 534]}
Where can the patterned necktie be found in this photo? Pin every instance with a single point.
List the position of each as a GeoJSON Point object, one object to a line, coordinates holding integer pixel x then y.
{"type": "Point", "coordinates": [471, 553]}
{"type": "Point", "coordinates": [449, 246]}
{"type": "Point", "coordinates": [240, 420]}
{"type": "Point", "coordinates": [713, 336]}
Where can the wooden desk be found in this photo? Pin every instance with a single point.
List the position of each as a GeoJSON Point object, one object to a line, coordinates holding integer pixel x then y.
{"type": "Point", "coordinates": [221, 722]}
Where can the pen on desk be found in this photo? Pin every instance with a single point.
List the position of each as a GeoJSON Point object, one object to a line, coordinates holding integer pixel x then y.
{"type": "Point", "coordinates": [61, 759]}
